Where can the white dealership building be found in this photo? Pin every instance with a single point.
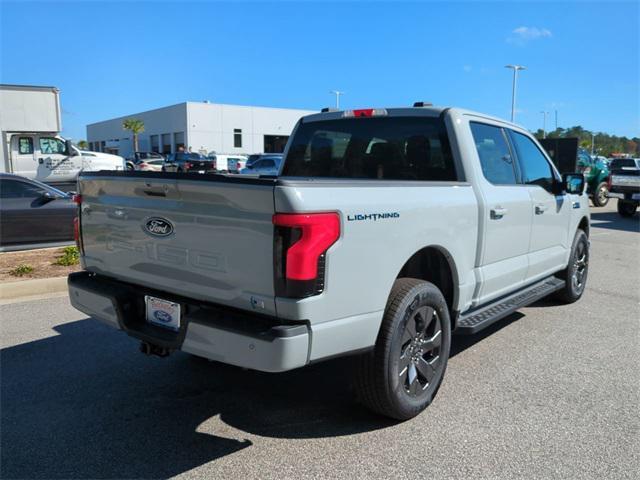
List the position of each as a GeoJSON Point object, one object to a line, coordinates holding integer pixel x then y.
{"type": "Point", "coordinates": [201, 126]}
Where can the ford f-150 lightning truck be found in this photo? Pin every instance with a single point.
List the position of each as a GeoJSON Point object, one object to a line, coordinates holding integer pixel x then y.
{"type": "Point", "coordinates": [386, 231]}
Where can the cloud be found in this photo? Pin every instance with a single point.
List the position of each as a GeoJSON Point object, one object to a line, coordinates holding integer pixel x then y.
{"type": "Point", "coordinates": [522, 35]}
{"type": "Point", "coordinates": [467, 68]}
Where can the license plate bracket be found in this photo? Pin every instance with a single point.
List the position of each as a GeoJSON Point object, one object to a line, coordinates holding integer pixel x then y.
{"type": "Point", "coordinates": [162, 313]}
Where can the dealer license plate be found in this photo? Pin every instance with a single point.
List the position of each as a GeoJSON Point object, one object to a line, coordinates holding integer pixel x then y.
{"type": "Point", "coordinates": [163, 313]}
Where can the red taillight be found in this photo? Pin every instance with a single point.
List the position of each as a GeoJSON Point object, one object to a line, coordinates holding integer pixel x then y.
{"type": "Point", "coordinates": [318, 232]}
{"type": "Point", "coordinates": [77, 199]}
{"type": "Point", "coordinates": [300, 243]}
{"type": "Point", "coordinates": [609, 182]}
{"type": "Point", "coordinates": [76, 231]}
{"type": "Point", "coordinates": [188, 165]}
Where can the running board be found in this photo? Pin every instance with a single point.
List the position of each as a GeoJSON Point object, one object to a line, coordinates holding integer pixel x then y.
{"type": "Point", "coordinates": [481, 317]}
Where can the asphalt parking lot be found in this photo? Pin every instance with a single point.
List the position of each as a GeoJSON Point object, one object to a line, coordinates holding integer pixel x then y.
{"type": "Point", "coordinates": [549, 392]}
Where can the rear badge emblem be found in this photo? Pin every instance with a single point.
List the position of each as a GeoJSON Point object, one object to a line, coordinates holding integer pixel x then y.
{"type": "Point", "coordinates": [159, 227]}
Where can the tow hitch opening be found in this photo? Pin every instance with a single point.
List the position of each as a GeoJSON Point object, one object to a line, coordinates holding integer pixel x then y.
{"type": "Point", "coordinates": [150, 349]}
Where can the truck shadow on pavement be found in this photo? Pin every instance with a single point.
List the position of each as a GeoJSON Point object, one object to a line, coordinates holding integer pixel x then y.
{"type": "Point", "coordinates": [84, 403]}
{"type": "Point", "coordinates": [613, 221]}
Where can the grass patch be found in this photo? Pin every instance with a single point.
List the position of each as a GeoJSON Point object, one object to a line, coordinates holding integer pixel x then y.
{"type": "Point", "coordinates": [70, 256]}
{"type": "Point", "coordinates": [21, 270]}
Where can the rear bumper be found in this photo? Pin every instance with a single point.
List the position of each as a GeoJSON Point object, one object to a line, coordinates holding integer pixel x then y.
{"type": "Point", "coordinates": [624, 192]}
{"type": "Point", "coordinates": [210, 331]}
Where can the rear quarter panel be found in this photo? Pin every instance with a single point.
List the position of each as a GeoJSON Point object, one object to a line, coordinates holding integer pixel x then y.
{"type": "Point", "coordinates": [364, 263]}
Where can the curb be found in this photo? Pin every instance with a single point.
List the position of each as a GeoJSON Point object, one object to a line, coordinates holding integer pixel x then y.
{"type": "Point", "coordinates": [30, 288]}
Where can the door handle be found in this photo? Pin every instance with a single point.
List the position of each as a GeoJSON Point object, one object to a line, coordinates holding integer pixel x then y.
{"type": "Point", "coordinates": [540, 209]}
{"type": "Point", "coordinates": [497, 213]}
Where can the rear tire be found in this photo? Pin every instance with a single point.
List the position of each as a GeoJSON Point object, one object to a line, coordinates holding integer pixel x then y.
{"type": "Point", "coordinates": [400, 377]}
{"type": "Point", "coordinates": [600, 198]}
{"type": "Point", "coordinates": [627, 208]}
{"type": "Point", "coordinates": [575, 275]}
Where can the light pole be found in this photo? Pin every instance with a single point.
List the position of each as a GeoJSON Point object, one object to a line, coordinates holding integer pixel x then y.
{"type": "Point", "coordinates": [337, 93]}
{"type": "Point", "coordinates": [544, 123]}
{"type": "Point", "coordinates": [513, 91]}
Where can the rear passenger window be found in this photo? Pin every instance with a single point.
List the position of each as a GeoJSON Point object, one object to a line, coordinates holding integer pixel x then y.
{"type": "Point", "coordinates": [383, 148]}
{"type": "Point", "coordinates": [495, 156]}
{"type": "Point", "coordinates": [536, 168]}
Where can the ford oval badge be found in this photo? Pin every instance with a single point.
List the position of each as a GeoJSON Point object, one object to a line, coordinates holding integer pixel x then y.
{"type": "Point", "coordinates": [159, 227]}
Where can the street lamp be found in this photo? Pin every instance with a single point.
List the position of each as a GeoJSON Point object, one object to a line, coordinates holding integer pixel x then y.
{"type": "Point", "coordinates": [544, 123]}
{"type": "Point", "coordinates": [337, 93]}
{"type": "Point", "coordinates": [513, 92]}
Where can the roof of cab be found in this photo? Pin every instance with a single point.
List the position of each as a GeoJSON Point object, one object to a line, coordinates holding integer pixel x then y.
{"type": "Point", "coordinates": [426, 111]}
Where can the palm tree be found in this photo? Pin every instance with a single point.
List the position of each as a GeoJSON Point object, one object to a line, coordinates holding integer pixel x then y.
{"type": "Point", "coordinates": [136, 127]}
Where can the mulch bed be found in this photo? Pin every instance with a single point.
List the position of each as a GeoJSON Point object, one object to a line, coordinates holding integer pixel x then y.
{"type": "Point", "coordinates": [41, 260]}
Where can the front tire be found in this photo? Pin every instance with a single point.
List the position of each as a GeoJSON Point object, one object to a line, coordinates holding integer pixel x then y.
{"type": "Point", "coordinates": [627, 208]}
{"type": "Point", "coordinates": [575, 275]}
{"type": "Point", "coordinates": [403, 373]}
{"type": "Point", "coordinates": [600, 196]}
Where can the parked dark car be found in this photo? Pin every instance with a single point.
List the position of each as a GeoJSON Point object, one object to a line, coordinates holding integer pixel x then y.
{"type": "Point", "coordinates": [33, 213]}
{"type": "Point", "coordinates": [138, 158]}
{"type": "Point", "coordinates": [259, 156]}
{"type": "Point", "coordinates": [189, 162]}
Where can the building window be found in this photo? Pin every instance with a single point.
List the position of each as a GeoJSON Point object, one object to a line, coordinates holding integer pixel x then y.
{"type": "Point", "coordinates": [155, 145]}
{"type": "Point", "coordinates": [25, 145]}
{"type": "Point", "coordinates": [178, 141]}
{"type": "Point", "coordinates": [237, 138]}
{"type": "Point", "coordinates": [275, 143]}
{"type": "Point", "coordinates": [103, 145]}
{"type": "Point", "coordinates": [166, 143]}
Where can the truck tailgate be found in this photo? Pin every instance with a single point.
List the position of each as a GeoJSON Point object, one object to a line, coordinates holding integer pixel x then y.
{"type": "Point", "coordinates": [208, 238]}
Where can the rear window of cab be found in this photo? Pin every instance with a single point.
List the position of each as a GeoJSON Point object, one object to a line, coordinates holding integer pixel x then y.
{"type": "Point", "coordinates": [382, 148]}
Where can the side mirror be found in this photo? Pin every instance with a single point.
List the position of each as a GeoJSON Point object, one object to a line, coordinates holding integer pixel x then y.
{"type": "Point", "coordinates": [48, 196]}
{"type": "Point", "coordinates": [71, 152]}
{"type": "Point", "coordinates": [573, 183]}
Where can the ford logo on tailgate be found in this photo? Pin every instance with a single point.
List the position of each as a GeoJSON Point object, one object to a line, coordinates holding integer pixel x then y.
{"type": "Point", "coordinates": [159, 227]}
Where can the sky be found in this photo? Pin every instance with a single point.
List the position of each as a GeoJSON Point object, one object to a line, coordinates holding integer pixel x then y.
{"type": "Point", "coordinates": [112, 59]}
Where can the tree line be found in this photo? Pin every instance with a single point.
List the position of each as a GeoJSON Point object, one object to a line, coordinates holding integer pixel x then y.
{"type": "Point", "coordinates": [604, 143]}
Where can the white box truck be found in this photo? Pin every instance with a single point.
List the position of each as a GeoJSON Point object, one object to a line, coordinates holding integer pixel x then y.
{"type": "Point", "coordinates": [30, 125]}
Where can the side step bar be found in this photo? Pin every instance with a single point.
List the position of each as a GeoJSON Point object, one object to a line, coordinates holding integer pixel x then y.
{"type": "Point", "coordinates": [483, 316]}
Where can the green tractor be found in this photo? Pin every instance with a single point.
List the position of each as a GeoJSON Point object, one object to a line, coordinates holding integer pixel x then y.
{"type": "Point", "coordinates": [568, 158]}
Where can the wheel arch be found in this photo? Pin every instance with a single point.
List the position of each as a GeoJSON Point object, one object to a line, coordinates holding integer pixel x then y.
{"type": "Point", "coordinates": [435, 264]}
{"type": "Point", "coordinates": [584, 225]}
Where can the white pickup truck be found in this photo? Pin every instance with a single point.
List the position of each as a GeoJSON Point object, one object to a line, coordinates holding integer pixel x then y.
{"type": "Point", "coordinates": [386, 231]}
